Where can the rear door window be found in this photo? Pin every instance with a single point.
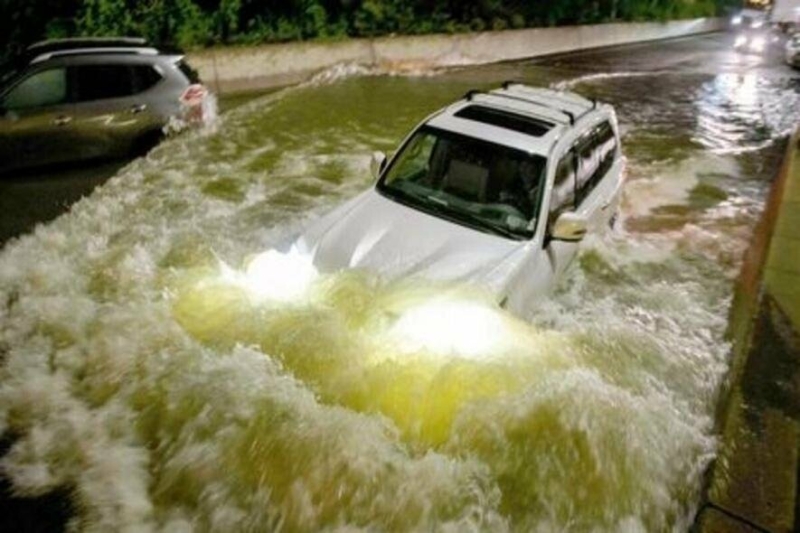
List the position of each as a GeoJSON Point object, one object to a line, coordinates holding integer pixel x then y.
{"type": "Point", "coordinates": [45, 88]}
{"type": "Point", "coordinates": [587, 166]}
{"type": "Point", "coordinates": [100, 82]}
{"type": "Point", "coordinates": [606, 148]}
{"type": "Point", "coordinates": [597, 151]}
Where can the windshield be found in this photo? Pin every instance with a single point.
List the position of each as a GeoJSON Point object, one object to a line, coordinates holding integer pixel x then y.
{"type": "Point", "coordinates": [483, 185]}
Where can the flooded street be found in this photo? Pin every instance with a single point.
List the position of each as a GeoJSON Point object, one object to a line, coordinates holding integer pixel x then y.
{"type": "Point", "coordinates": [156, 392]}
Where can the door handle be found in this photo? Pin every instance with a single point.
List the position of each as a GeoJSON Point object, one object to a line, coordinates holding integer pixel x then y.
{"type": "Point", "coordinates": [138, 108]}
{"type": "Point", "coordinates": [62, 120]}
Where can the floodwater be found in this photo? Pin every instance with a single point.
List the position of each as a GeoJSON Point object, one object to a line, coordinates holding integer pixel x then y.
{"type": "Point", "coordinates": [146, 377]}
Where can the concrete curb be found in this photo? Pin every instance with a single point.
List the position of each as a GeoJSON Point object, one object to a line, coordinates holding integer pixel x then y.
{"type": "Point", "coordinates": [235, 69]}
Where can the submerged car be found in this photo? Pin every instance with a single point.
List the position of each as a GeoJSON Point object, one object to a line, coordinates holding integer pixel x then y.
{"type": "Point", "coordinates": [496, 190]}
{"type": "Point", "coordinates": [78, 99]}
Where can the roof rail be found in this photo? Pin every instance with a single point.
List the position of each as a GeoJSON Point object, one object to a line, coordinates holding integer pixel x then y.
{"type": "Point", "coordinates": [508, 83]}
{"type": "Point", "coordinates": [86, 42]}
{"type": "Point", "coordinates": [88, 51]}
{"type": "Point", "coordinates": [563, 95]}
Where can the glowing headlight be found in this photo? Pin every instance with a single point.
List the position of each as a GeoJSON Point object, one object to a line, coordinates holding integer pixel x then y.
{"type": "Point", "coordinates": [757, 44]}
{"type": "Point", "coordinates": [461, 327]}
{"type": "Point", "coordinates": [736, 20]}
{"type": "Point", "coordinates": [275, 276]}
{"type": "Point", "coordinates": [757, 24]}
{"type": "Point", "coordinates": [741, 40]}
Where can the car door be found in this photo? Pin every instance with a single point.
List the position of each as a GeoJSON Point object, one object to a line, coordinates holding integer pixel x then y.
{"type": "Point", "coordinates": [110, 112]}
{"type": "Point", "coordinates": [36, 122]}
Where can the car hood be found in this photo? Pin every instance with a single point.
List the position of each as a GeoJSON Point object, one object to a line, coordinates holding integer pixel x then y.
{"type": "Point", "coordinates": [375, 233]}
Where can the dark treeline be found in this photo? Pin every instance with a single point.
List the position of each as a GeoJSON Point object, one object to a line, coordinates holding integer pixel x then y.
{"type": "Point", "coordinates": [190, 23]}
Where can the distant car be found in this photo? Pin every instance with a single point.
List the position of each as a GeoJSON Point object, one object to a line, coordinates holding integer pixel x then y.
{"type": "Point", "coordinates": [792, 50]}
{"type": "Point", "coordinates": [750, 19]}
{"type": "Point", "coordinates": [80, 99]}
{"type": "Point", "coordinates": [496, 190]}
{"type": "Point", "coordinates": [753, 41]}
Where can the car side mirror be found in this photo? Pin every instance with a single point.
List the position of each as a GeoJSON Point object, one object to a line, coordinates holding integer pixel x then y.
{"type": "Point", "coordinates": [377, 164]}
{"type": "Point", "coordinates": [570, 227]}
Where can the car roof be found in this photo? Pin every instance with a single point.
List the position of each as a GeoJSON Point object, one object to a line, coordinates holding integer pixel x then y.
{"type": "Point", "coordinates": [556, 111]}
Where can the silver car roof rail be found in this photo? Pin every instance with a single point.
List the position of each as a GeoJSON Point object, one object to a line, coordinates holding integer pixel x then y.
{"type": "Point", "coordinates": [591, 104]}
{"type": "Point", "coordinates": [93, 51]}
{"type": "Point", "coordinates": [51, 45]}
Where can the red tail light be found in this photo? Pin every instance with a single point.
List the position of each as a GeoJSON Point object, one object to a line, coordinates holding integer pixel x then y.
{"type": "Point", "coordinates": [192, 103]}
{"type": "Point", "coordinates": [193, 95]}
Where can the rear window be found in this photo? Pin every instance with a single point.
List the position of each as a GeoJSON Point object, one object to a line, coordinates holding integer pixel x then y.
{"type": "Point", "coordinates": [190, 73]}
{"type": "Point", "coordinates": [503, 119]}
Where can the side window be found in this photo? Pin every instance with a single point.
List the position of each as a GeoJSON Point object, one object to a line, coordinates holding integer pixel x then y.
{"type": "Point", "coordinates": [98, 82]}
{"type": "Point", "coordinates": [607, 148]}
{"type": "Point", "coordinates": [45, 88]}
{"type": "Point", "coordinates": [144, 77]}
{"type": "Point", "coordinates": [596, 156]}
{"type": "Point", "coordinates": [563, 195]}
{"type": "Point", "coordinates": [587, 166]}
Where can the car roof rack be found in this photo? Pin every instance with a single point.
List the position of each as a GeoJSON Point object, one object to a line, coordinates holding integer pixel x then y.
{"type": "Point", "coordinates": [45, 50]}
{"type": "Point", "coordinates": [86, 51]}
{"type": "Point", "coordinates": [569, 117]}
{"type": "Point", "coordinates": [52, 45]}
{"type": "Point", "coordinates": [546, 99]}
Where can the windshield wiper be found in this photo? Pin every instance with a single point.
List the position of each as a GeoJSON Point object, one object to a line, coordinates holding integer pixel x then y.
{"type": "Point", "coordinates": [444, 209]}
{"type": "Point", "coordinates": [476, 220]}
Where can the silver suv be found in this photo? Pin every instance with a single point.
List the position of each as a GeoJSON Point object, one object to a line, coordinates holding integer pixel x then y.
{"type": "Point", "coordinates": [80, 99]}
{"type": "Point", "coordinates": [496, 190]}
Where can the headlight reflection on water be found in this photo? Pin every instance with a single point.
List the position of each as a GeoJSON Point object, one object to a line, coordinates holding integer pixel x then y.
{"type": "Point", "coordinates": [447, 326]}
{"type": "Point", "coordinates": [460, 327]}
{"type": "Point", "coordinates": [274, 276]}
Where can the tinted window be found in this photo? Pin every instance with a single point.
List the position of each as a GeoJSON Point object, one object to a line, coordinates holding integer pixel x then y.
{"type": "Point", "coordinates": [563, 195]}
{"type": "Point", "coordinates": [48, 87]}
{"type": "Point", "coordinates": [587, 163]}
{"type": "Point", "coordinates": [606, 148]}
{"type": "Point", "coordinates": [98, 82]}
{"type": "Point", "coordinates": [597, 151]}
{"type": "Point", "coordinates": [144, 77]}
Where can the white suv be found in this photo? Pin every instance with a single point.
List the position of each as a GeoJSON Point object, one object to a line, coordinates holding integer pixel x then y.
{"type": "Point", "coordinates": [496, 190]}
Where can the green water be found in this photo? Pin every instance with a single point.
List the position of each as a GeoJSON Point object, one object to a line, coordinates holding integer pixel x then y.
{"type": "Point", "coordinates": [164, 396]}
